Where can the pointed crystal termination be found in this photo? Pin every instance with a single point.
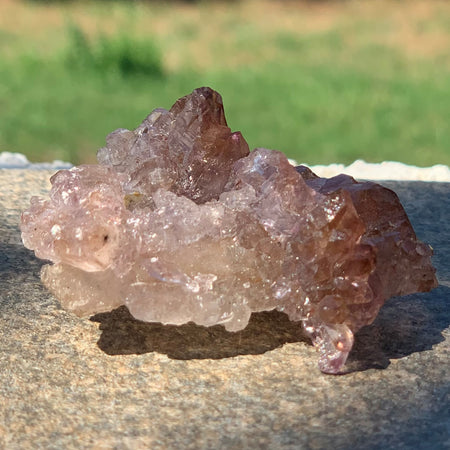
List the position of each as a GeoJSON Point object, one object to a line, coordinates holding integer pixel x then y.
{"type": "Point", "coordinates": [180, 222]}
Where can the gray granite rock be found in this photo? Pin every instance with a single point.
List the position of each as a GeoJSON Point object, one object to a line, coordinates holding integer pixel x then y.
{"type": "Point", "coordinates": [114, 382]}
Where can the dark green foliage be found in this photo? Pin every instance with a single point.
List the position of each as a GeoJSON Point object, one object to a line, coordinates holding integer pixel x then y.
{"type": "Point", "coordinates": [121, 54]}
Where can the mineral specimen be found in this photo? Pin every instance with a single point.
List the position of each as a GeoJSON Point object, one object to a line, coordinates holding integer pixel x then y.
{"type": "Point", "coordinates": [180, 222]}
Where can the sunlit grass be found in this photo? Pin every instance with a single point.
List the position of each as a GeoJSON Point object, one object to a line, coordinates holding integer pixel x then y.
{"type": "Point", "coordinates": [323, 83]}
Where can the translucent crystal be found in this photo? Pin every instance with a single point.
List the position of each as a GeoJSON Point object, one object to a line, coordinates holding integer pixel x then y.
{"type": "Point", "coordinates": [179, 222]}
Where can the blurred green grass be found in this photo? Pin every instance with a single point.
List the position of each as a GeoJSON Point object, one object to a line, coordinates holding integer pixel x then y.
{"type": "Point", "coordinates": [324, 95]}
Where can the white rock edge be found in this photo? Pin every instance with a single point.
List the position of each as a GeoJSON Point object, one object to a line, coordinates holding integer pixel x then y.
{"type": "Point", "coordinates": [10, 160]}
{"type": "Point", "coordinates": [386, 170]}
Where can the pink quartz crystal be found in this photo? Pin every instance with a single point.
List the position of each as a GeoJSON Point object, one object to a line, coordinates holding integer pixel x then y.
{"type": "Point", "coordinates": [180, 222]}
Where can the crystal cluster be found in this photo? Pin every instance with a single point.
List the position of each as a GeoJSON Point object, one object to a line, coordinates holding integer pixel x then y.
{"type": "Point", "coordinates": [180, 222]}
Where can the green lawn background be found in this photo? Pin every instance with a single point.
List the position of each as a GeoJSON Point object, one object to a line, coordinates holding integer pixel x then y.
{"type": "Point", "coordinates": [323, 83]}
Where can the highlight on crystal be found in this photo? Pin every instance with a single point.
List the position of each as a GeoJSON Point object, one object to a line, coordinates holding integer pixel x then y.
{"type": "Point", "coordinates": [180, 222]}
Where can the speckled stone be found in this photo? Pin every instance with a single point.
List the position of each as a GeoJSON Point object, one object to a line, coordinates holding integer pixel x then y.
{"type": "Point", "coordinates": [114, 382]}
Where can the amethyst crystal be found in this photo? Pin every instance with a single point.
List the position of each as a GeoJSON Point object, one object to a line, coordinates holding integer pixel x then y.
{"type": "Point", "coordinates": [180, 222]}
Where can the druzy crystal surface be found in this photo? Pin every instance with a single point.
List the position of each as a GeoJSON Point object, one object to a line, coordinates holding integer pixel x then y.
{"type": "Point", "coordinates": [180, 222]}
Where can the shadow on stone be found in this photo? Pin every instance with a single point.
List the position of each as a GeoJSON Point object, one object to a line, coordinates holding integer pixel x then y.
{"type": "Point", "coordinates": [404, 326]}
{"type": "Point", "coordinates": [16, 259]}
{"type": "Point", "coordinates": [21, 290]}
{"type": "Point", "coordinates": [122, 334]}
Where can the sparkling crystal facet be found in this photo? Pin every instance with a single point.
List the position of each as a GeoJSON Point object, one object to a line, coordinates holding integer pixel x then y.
{"type": "Point", "coordinates": [180, 222]}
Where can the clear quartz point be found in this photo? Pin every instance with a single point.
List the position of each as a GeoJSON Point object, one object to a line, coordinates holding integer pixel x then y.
{"type": "Point", "coordinates": [333, 343]}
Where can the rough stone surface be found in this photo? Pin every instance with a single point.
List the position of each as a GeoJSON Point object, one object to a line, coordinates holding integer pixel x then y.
{"type": "Point", "coordinates": [180, 223]}
{"type": "Point", "coordinates": [114, 382]}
